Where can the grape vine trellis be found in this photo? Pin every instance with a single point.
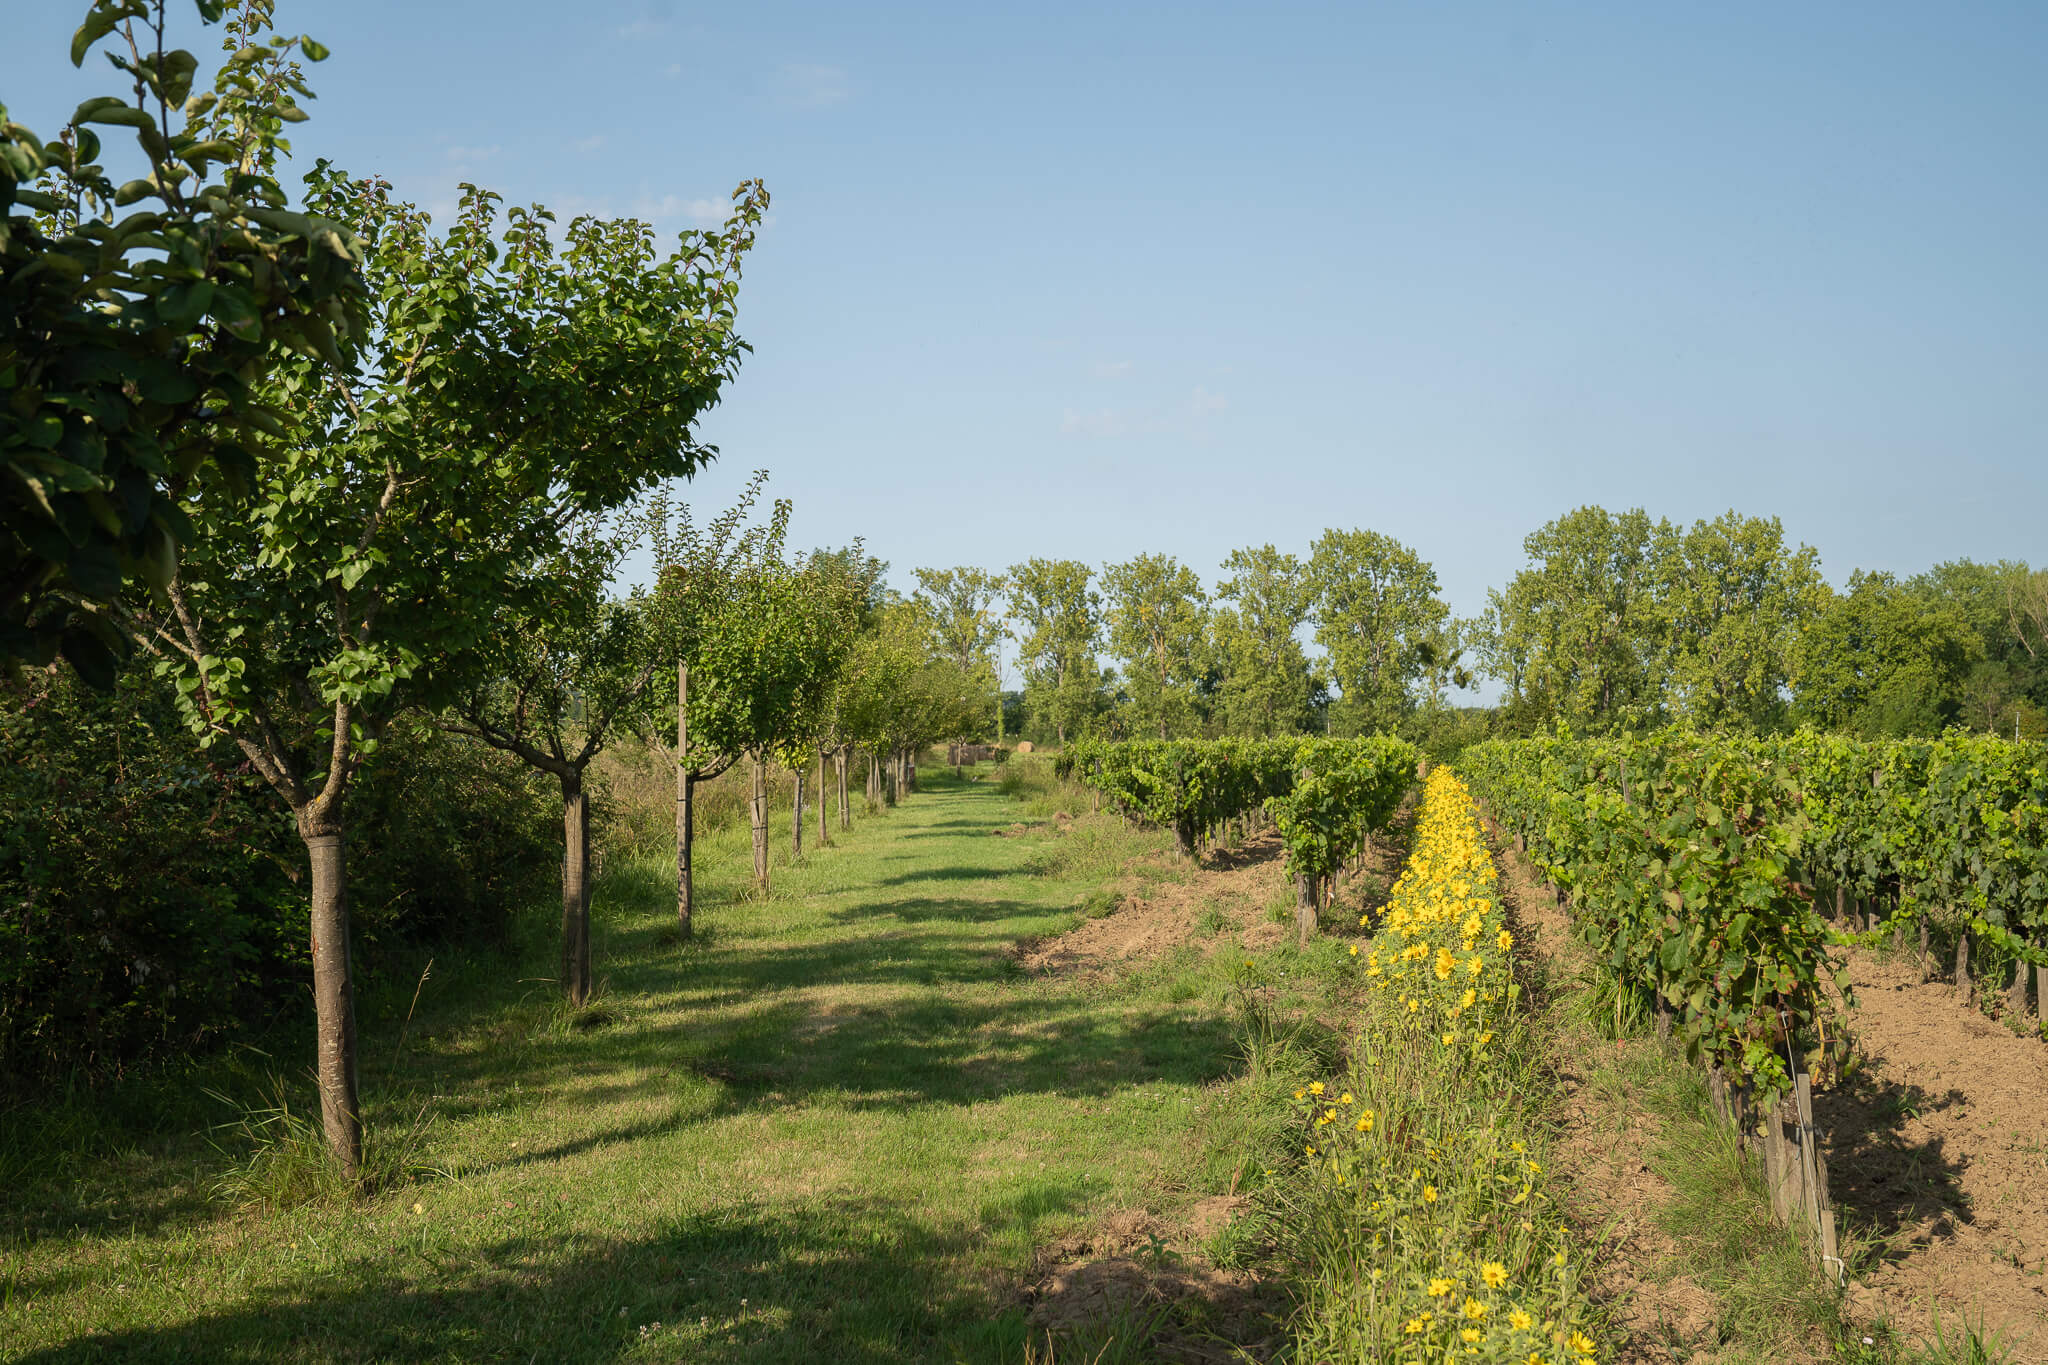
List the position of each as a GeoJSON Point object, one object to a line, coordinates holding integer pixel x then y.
{"type": "Point", "coordinates": [1702, 866]}
{"type": "Point", "coordinates": [1325, 796]}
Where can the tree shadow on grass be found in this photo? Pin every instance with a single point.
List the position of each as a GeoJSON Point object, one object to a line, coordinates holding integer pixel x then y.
{"type": "Point", "coordinates": [857, 1281]}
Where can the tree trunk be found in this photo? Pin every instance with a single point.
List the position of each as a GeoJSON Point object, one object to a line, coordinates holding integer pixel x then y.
{"type": "Point", "coordinates": [1307, 895]}
{"type": "Point", "coordinates": [334, 1007]}
{"type": "Point", "coordinates": [686, 837]}
{"type": "Point", "coordinates": [910, 770]}
{"type": "Point", "coordinates": [575, 892]}
{"type": "Point", "coordinates": [2016, 994]}
{"type": "Point", "coordinates": [1963, 966]}
{"type": "Point", "coordinates": [796, 817]}
{"type": "Point", "coordinates": [1183, 838]}
{"type": "Point", "coordinates": [824, 837]}
{"type": "Point", "coordinates": [874, 780]}
{"type": "Point", "coordinates": [758, 808]}
{"type": "Point", "coordinates": [686, 784]}
{"type": "Point", "coordinates": [845, 808]}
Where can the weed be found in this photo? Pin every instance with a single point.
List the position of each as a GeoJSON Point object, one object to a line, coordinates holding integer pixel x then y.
{"type": "Point", "coordinates": [1971, 1343]}
{"type": "Point", "coordinates": [276, 1158]}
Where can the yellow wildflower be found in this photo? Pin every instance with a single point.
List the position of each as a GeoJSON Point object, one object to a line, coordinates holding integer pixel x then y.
{"type": "Point", "coordinates": [1520, 1320]}
{"type": "Point", "coordinates": [1494, 1273]}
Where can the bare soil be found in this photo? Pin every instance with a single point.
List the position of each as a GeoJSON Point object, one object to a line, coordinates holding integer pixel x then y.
{"type": "Point", "coordinates": [1153, 915]}
{"type": "Point", "coordinates": [1135, 1274]}
{"type": "Point", "coordinates": [1938, 1147]}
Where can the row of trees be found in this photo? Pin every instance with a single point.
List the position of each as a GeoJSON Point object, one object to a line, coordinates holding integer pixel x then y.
{"type": "Point", "coordinates": [324, 467]}
{"type": "Point", "coordinates": [1189, 663]}
{"type": "Point", "coordinates": [1617, 622]}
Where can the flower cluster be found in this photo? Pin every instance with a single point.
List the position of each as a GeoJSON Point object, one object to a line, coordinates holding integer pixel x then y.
{"type": "Point", "coordinates": [1423, 1180]}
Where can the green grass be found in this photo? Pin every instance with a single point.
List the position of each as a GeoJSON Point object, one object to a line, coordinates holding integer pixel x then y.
{"type": "Point", "coordinates": [835, 1126]}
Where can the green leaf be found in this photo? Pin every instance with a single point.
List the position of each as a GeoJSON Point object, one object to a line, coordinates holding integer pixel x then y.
{"type": "Point", "coordinates": [315, 50]}
{"type": "Point", "coordinates": [99, 23]}
{"type": "Point", "coordinates": [176, 75]}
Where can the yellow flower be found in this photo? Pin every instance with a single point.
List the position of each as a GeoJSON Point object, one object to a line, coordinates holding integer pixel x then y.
{"type": "Point", "coordinates": [1365, 1122]}
{"type": "Point", "coordinates": [1558, 1260]}
{"type": "Point", "coordinates": [1315, 1087]}
{"type": "Point", "coordinates": [1301, 1094]}
{"type": "Point", "coordinates": [1474, 1309]}
{"type": "Point", "coordinates": [1344, 1098]}
{"type": "Point", "coordinates": [1472, 1335]}
{"type": "Point", "coordinates": [1494, 1273]}
{"type": "Point", "coordinates": [1354, 950]}
{"type": "Point", "coordinates": [1474, 966]}
{"type": "Point", "coordinates": [1533, 1167]}
{"type": "Point", "coordinates": [1535, 1358]}
{"type": "Point", "coordinates": [1413, 1325]}
{"type": "Point", "coordinates": [1429, 1194]}
{"type": "Point", "coordinates": [1580, 1344]}
{"type": "Point", "coordinates": [1505, 939]}
{"type": "Point", "coordinates": [1450, 1038]}
{"type": "Point", "coordinates": [1440, 1286]}
{"type": "Point", "coordinates": [1520, 1320]}
{"type": "Point", "coordinates": [1465, 1003]}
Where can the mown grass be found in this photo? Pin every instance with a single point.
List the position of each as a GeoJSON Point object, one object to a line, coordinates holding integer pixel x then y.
{"type": "Point", "coordinates": [834, 1126]}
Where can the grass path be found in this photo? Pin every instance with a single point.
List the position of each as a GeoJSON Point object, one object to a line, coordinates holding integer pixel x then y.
{"type": "Point", "coordinates": [834, 1127]}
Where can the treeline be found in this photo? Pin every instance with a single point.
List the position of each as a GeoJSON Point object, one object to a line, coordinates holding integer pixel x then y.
{"type": "Point", "coordinates": [1615, 623]}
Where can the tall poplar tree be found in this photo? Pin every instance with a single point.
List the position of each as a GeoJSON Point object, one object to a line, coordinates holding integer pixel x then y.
{"type": "Point", "coordinates": [1158, 619]}
{"type": "Point", "coordinates": [1265, 671]}
{"type": "Point", "coordinates": [1376, 607]}
{"type": "Point", "coordinates": [1062, 626]}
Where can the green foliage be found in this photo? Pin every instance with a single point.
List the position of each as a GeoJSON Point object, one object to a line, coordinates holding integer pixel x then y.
{"type": "Point", "coordinates": [1265, 686]}
{"type": "Point", "coordinates": [1692, 861]}
{"type": "Point", "coordinates": [1344, 791]}
{"type": "Point", "coordinates": [1883, 661]}
{"type": "Point", "coordinates": [1376, 609]}
{"type": "Point", "coordinates": [959, 606]}
{"type": "Point", "coordinates": [134, 317]}
{"type": "Point", "coordinates": [1158, 621]}
{"type": "Point", "coordinates": [1575, 635]}
{"type": "Point", "coordinates": [1324, 795]}
{"type": "Point", "coordinates": [514, 387]}
{"type": "Point", "coordinates": [1734, 601]}
{"type": "Point", "coordinates": [154, 900]}
{"type": "Point", "coordinates": [1062, 623]}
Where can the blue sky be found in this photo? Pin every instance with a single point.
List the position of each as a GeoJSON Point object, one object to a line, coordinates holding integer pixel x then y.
{"type": "Point", "coordinates": [1090, 281]}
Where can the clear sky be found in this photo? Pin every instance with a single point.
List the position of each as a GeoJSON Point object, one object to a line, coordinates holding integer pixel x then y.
{"type": "Point", "coordinates": [1093, 280]}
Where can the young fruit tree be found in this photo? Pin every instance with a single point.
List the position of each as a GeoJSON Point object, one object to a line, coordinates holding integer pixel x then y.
{"type": "Point", "coordinates": [136, 315]}
{"type": "Point", "coordinates": [756, 641]}
{"type": "Point", "coordinates": [553, 681]}
{"type": "Point", "coordinates": [508, 386]}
